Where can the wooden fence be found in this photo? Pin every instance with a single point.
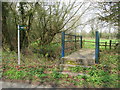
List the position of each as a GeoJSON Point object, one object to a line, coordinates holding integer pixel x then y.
{"type": "Point", "coordinates": [111, 44]}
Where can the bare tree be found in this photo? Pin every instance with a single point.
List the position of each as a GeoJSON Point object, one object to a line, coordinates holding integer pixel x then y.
{"type": "Point", "coordinates": [52, 20]}
{"type": "Point", "coordinates": [44, 22]}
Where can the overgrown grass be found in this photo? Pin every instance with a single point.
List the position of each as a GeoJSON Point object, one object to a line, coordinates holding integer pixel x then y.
{"type": "Point", "coordinates": [34, 69]}
{"type": "Point", "coordinates": [41, 69]}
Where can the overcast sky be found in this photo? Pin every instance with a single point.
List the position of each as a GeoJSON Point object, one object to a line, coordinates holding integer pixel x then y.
{"type": "Point", "coordinates": [62, 0]}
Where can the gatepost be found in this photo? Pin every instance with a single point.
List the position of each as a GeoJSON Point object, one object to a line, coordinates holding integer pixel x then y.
{"type": "Point", "coordinates": [97, 48]}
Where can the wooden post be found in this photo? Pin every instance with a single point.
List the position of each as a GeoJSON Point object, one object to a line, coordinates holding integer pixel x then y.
{"type": "Point", "coordinates": [110, 44]}
{"type": "Point", "coordinates": [83, 43]}
{"type": "Point", "coordinates": [75, 42]}
{"type": "Point", "coordinates": [63, 45]}
{"type": "Point", "coordinates": [105, 44]}
{"type": "Point", "coordinates": [97, 48]}
{"type": "Point", "coordinates": [80, 41]}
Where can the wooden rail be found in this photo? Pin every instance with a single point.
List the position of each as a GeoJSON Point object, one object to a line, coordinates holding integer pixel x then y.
{"type": "Point", "coordinates": [105, 44]}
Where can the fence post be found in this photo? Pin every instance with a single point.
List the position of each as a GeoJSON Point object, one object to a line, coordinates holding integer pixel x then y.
{"type": "Point", "coordinates": [63, 45]}
{"type": "Point", "coordinates": [97, 48]}
{"type": "Point", "coordinates": [75, 42]}
{"type": "Point", "coordinates": [83, 43]}
{"type": "Point", "coordinates": [80, 41]}
{"type": "Point", "coordinates": [110, 44]}
{"type": "Point", "coordinates": [105, 44]}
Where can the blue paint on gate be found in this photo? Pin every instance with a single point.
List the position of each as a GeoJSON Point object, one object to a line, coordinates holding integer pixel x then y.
{"type": "Point", "coordinates": [63, 44]}
{"type": "Point", "coordinates": [97, 48]}
{"type": "Point", "coordinates": [96, 45]}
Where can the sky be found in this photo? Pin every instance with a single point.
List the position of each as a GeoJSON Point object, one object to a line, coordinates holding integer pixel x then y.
{"type": "Point", "coordinates": [62, 0]}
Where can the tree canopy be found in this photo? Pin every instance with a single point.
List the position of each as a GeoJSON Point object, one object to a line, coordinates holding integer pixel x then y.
{"type": "Point", "coordinates": [43, 22]}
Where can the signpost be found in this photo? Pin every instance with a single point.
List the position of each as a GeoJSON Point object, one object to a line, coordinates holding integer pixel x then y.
{"type": "Point", "coordinates": [20, 27]}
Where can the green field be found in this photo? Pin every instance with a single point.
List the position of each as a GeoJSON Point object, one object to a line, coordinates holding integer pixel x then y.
{"type": "Point", "coordinates": [91, 43]}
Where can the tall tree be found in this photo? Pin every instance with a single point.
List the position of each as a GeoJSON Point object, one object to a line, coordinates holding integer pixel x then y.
{"type": "Point", "coordinates": [111, 14]}
{"type": "Point", "coordinates": [25, 18]}
{"type": "Point", "coordinates": [5, 32]}
{"type": "Point", "coordinates": [11, 17]}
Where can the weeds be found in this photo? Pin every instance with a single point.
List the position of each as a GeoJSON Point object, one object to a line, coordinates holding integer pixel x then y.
{"type": "Point", "coordinates": [101, 75]}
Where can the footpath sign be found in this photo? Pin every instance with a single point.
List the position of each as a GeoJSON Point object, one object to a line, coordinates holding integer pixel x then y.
{"type": "Point", "coordinates": [23, 27]}
{"type": "Point", "coordinates": [20, 27]}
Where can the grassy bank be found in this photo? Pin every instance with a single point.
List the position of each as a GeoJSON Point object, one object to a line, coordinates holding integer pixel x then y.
{"type": "Point", "coordinates": [42, 71]}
